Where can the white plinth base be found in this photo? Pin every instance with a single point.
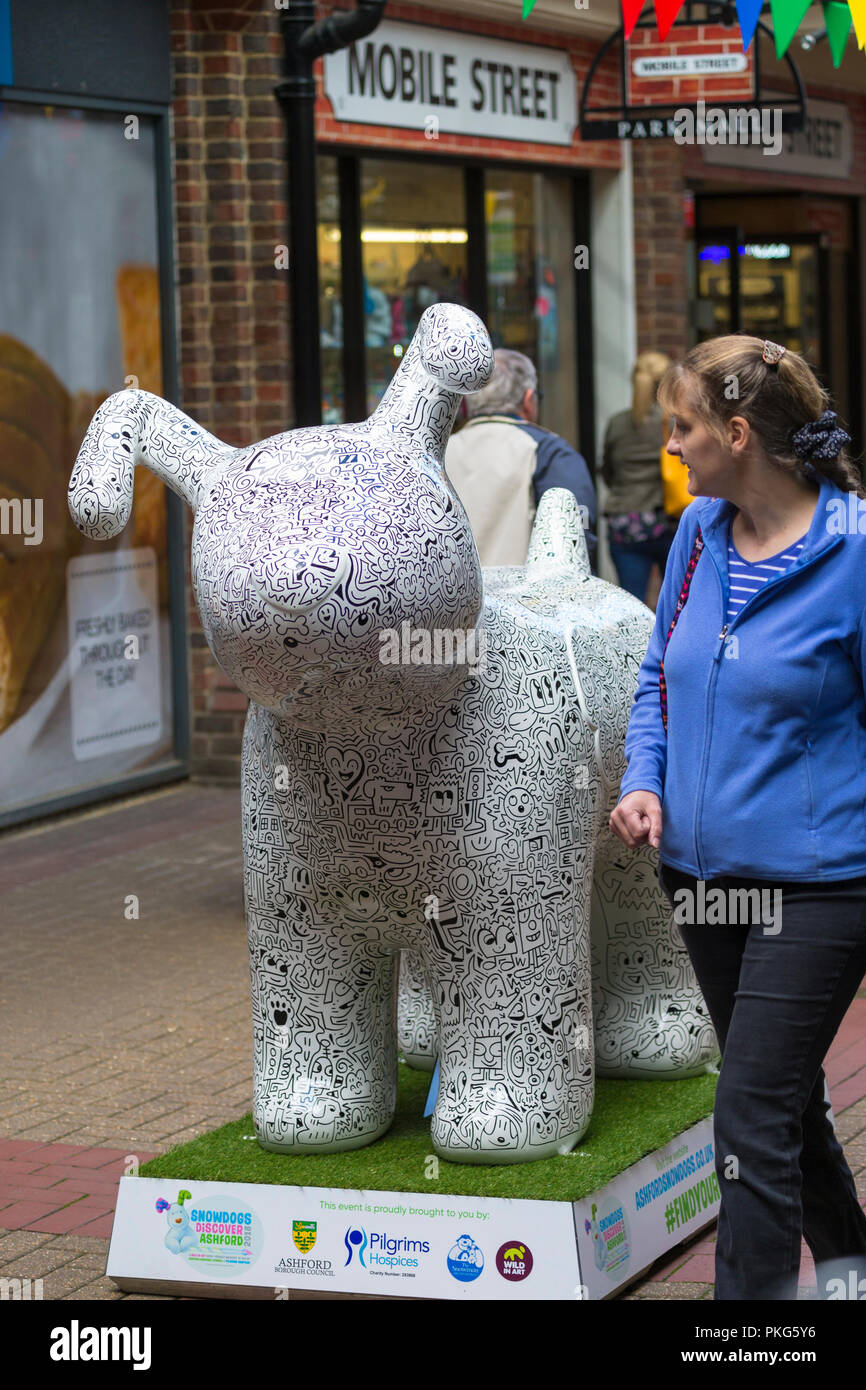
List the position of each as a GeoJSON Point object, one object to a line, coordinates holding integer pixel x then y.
{"type": "Point", "coordinates": [255, 1240]}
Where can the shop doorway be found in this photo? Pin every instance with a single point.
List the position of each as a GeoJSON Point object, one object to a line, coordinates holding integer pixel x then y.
{"type": "Point", "coordinates": [783, 268]}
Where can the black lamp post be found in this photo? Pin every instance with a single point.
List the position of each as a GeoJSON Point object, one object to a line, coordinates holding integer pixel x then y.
{"type": "Point", "coordinates": [303, 42]}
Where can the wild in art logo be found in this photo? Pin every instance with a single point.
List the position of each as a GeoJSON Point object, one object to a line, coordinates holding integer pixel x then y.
{"type": "Point", "coordinates": [514, 1260]}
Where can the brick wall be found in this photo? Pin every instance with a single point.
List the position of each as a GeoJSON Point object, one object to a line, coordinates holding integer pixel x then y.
{"type": "Point", "coordinates": [661, 266]}
{"type": "Point", "coordinates": [660, 182]}
{"type": "Point", "coordinates": [230, 215]}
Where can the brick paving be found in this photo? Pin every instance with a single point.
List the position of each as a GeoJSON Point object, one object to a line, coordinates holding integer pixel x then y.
{"type": "Point", "coordinates": [123, 1035]}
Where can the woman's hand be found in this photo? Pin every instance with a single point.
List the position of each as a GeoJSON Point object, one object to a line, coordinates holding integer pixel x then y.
{"type": "Point", "coordinates": [637, 820]}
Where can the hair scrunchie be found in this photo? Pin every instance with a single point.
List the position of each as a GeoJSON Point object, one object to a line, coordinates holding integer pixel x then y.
{"type": "Point", "coordinates": [820, 440]}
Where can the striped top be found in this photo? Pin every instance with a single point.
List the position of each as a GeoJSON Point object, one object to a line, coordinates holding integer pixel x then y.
{"type": "Point", "coordinates": [747, 577]}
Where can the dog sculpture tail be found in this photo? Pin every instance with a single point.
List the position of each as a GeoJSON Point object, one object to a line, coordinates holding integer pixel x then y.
{"type": "Point", "coordinates": [558, 541]}
{"type": "Point", "coordinates": [136, 427]}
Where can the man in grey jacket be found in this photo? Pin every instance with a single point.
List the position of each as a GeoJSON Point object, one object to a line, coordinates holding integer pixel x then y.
{"type": "Point", "coordinates": [503, 460]}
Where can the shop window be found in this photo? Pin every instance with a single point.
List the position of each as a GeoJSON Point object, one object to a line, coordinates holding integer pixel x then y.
{"type": "Point", "coordinates": [86, 678]}
{"type": "Point", "coordinates": [531, 283]}
{"type": "Point", "coordinates": [418, 232]}
{"type": "Point", "coordinates": [413, 249]}
{"type": "Point", "coordinates": [768, 287]}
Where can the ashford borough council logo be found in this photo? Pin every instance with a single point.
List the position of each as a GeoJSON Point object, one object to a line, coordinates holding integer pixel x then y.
{"type": "Point", "coordinates": [304, 1235]}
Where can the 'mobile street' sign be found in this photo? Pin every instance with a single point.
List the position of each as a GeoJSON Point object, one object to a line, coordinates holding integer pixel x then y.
{"type": "Point", "coordinates": [705, 65]}
{"type": "Point", "coordinates": [436, 80]}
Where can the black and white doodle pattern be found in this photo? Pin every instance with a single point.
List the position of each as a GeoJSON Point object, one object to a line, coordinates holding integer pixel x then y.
{"type": "Point", "coordinates": [452, 812]}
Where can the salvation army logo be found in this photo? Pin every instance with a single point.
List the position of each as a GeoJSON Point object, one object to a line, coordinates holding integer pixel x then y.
{"type": "Point", "coordinates": [514, 1261]}
{"type": "Point", "coordinates": [465, 1260]}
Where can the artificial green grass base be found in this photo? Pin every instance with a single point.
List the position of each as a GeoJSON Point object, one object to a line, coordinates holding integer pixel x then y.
{"type": "Point", "coordinates": [630, 1119]}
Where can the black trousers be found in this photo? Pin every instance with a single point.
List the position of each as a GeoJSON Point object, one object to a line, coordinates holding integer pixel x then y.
{"type": "Point", "coordinates": [777, 991]}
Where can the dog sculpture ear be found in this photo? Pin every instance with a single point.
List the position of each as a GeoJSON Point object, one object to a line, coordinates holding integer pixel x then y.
{"type": "Point", "coordinates": [558, 542]}
{"type": "Point", "coordinates": [136, 427]}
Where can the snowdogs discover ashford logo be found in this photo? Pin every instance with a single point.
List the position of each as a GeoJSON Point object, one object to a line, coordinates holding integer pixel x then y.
{"type": "Point", "coordinates": [180, 1236]}
{"type": "Point", "coordinates": [216, 1232]}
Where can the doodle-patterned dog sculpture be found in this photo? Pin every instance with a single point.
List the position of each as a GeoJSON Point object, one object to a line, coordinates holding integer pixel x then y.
{"type": "Point", "coordinates": [424, 767]}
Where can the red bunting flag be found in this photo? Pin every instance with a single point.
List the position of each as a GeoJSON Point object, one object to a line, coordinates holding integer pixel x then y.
{"type": "Point", "coordinates": [630, 15]}
{"type": "Point", "coordinates": [666, 13]}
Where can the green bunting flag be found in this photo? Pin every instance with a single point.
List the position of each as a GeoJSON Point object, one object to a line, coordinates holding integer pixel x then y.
{"type": "Point", "coordinates": [787, 18]}
{"type": "Point", "coordinates": [838, 20]}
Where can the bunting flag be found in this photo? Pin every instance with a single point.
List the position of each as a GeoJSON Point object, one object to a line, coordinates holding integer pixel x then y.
{"type": "Point", "coordinates": [748, 13]}
{"type": "Point", "coordinates": [787, 18]}
{"type": "Point", "coordinates": [838, 20]}
{"type": "Point", "coordinates": [788, 15]}
{"type": "Point", "coordinates": [666, 13]}
{"type": "Point", "coordinates": [858, 16]}
{"type": "Point", "coordinates": [630, 15]}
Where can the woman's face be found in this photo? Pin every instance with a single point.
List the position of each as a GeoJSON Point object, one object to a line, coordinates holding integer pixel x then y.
{"type": "Point", "coordinates": [711, 466]}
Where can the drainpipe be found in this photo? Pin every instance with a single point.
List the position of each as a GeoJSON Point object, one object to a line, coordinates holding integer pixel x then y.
{"type": "Point", "coordinates": [303, 42]}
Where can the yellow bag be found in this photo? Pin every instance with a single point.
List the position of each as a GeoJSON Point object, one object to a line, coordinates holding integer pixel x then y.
{"type": "Point", "coordinates": [674, 479]}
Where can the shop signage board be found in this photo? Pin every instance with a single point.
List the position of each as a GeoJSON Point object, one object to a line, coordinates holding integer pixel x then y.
{"type": "Point", "coordinates": [824, 149]}
{"type": "Point", "coordinates": [113, 633]}
{"type": "Point", "coordinates": [655, 1204]}
{"type": "Point", "coordinates": [256, 1240]}
{"type": "Point", "coordinates": [440, 81]}
{"type": "Point", "coordinates": [666, 66]}
{"type": "Point", "coordinates": [263, 1237]}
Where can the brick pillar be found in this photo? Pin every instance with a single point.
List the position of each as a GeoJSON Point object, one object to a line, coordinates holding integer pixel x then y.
{"type": "Point", "coordinates": [661, 281]}
{"type": "Point", "coordinates": [230, 209]}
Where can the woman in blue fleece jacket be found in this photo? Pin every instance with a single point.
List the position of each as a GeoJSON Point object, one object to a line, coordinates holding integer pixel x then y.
{"type": "Point", "coordinates": [746, 753]}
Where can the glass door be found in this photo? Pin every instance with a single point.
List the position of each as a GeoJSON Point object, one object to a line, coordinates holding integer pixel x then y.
{"type": "Point", "coordinates": [769, 286]}
{"type": "Point", "coordinates": [531, 283]}
{"type": "Point", "coordinates": [413, 250]}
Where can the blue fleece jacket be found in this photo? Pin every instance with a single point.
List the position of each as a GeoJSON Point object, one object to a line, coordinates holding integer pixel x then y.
{"type": "Point", "coordinates": [763, 771]}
